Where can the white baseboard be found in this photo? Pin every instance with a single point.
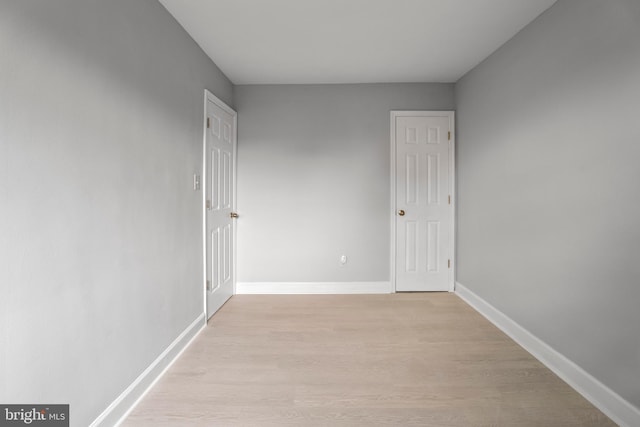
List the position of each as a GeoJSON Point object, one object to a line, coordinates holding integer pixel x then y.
{"type": "Point", "coordinates": [120, 408]}
{"type": "Point", "coordinates": [610, 403]}
{"type": "Point", "coordinates": [313, 288]}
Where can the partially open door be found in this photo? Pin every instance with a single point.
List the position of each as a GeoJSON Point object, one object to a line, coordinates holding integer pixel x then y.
{"type": "Point", "coordinates": [219, 190]}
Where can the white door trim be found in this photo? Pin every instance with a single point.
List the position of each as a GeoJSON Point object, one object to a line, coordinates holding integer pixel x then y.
{"type": "Point", "coordinates": [452, 189]}
{"type": "Point", "coordinates": [210, 97]}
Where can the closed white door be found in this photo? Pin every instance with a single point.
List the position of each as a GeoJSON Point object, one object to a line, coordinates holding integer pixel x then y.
{"type": "Point", "coordinates": [220, 149]}
{"type": "Point", "coordinates": [424, 214]}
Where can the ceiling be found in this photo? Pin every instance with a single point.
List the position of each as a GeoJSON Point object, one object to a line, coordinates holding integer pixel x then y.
{"type": "Point", "coordinates": [351, 41]}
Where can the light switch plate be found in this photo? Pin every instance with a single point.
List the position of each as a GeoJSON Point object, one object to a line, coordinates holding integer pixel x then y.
{"type": "Point", "coordinates": [196, 182]}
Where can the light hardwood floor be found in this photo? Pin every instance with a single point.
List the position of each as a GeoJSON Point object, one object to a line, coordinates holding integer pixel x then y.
{"type": "Point", "coordinates": [358, 360]}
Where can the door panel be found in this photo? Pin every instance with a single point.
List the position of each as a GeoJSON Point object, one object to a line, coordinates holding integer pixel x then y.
{"type": "Point", "coordinates": [220, 149]}
{"type": "Point", "coordinates": [215, 258]}
{"type": "Point", "coordinates": [423, 237]}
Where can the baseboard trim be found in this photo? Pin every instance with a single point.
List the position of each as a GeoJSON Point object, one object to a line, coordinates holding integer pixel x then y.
{"type": "Point", "coordinates": [313, 288]}
{"type": "Point", "coordinates": [609, 402]}
{"type": "Point", "coordinates": [120, 408]}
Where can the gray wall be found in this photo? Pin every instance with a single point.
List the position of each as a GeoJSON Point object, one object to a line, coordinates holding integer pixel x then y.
{"type": "Point", "coordinates": [100, 132]}
{"type": "Point", "coordinates": [548, 151]}
{"type": "Point", "coordinates": [313, 178]}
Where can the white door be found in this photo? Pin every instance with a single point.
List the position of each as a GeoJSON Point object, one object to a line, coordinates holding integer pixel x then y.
{"type": "Point", "coordinates": [423, 209]}
{"type": "Point", "coordinates": [220, 149]}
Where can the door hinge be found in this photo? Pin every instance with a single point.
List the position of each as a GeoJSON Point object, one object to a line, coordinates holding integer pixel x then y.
{"type": "Point", "coordinates": [208, 122]}
{"type": "Point", "coordinates": [449, 135]}
{"type": "Point", "coordinates": [449, 198]}
{"type": "Point", "coordinates": [208, 205]}
{"type": "Point", "coordinates": [448, 263]}
{"type": "Point", "coordinates": [209, 285]}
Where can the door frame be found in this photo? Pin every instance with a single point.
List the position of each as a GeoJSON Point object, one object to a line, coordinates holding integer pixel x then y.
{"type": "Point", "coordinates": [452, 189]}
{"type": "Point", "coordinates": [210, 97]}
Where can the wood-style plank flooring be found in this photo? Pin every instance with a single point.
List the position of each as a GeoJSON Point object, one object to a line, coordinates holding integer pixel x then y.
{"type": "Point", "coordinates": [420, 359]}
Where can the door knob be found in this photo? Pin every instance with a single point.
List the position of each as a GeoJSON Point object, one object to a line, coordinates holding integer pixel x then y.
{"type": "Point", "coordinates": [233, 215]}
{"type": "Point", "coordinates": [401, 212]}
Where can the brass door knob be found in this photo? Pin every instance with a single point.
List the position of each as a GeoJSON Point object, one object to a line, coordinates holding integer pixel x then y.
{"type": "Point", "coordinates": [234, 215]}
{"type": "Point", "coordinates": [401, 212]}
